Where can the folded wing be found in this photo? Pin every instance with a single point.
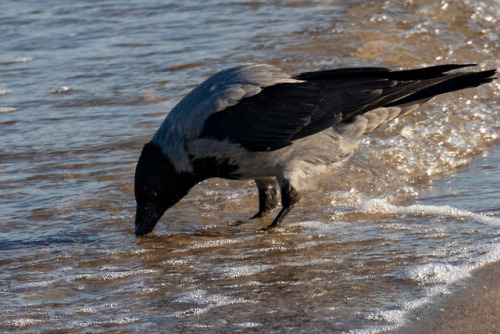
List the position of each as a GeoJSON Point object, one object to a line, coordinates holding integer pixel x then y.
{"type": "Point", "coordinates": [284, 112]}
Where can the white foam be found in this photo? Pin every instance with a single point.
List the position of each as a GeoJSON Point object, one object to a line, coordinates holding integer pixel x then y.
{"type": "Point", "coordinates": [382, 206]}
{"type": "Point", "coordinates": [177, 262]}
{"type": "Point", "coordinates": [214, 243]}
{"type": "Point", "coordinates": [190, 312]}
{"type": "Point", "coordinates": [247, 270]}
{"type": "Point", "coordinates": [395, 316]}
{"type": "Point", "coordinates": [22, 322]}
{"type": "Point", "coordinates": [119, 321]}
{"type": "Point", "coordinates": [436, 277]}
{"type": "Point", "coordinates": [322, 227]}
{"type": "Point", "coordinates": [317, 225]}
{"type": "Point", "coordinates": [373, 330]}
{"type": "Point", "coordinates": [438, 273]}
{"type": "Point", "coordinates": [307, 263]}
{"type": "Point", "coordinates": [85, 310]}
{"type": "Point", "coordinates": [249, 325]}
{"type": "Point", "coordinates": [4, 110]}
{"type": "Point", "coordinates": [206, 300]}
{"type": "Point", "coordinates": [111, 275]}
{"type": "Point", "coordinates": [60, 90]}
{"type": "Point", "coordinates": [123, 320]}
{"type": "Point", "coordinates": [16, 60]}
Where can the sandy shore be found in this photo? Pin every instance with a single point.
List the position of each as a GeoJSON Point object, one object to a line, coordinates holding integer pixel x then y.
{"type": "Point", "coordinates": [474, 309]}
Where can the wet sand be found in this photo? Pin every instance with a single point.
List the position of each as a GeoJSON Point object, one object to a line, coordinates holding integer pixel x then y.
{"type": "Point", "coordinates": [473, 309]}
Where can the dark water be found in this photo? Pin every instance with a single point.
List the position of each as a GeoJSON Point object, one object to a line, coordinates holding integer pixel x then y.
{"type": "Point", "coordinates": [84, 85]}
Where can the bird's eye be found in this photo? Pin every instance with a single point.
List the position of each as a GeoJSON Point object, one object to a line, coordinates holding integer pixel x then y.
{"type": "Point", "coordinates": [154, 194]}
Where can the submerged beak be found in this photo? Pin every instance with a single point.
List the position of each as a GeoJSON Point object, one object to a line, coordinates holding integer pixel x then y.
{"type": "Point", "coordinates": [146, 217]}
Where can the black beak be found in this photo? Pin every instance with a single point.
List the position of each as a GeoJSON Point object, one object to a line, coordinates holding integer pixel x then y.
{"type": "Point", "coordinates": [146, 217]}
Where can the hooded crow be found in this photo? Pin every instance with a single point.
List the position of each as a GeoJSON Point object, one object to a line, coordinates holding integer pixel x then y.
{"type": "Point", "coordinates": [256, 122]}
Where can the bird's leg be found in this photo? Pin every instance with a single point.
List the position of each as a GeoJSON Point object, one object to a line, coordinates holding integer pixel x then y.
{"type": "Point", "coordinates": [268, 198]}
{"type": "Point", "coordinates": [289, 197]}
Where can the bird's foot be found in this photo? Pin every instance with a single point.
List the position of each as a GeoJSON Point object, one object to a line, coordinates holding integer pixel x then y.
{"type": "Point", "coordinates": [267, 228]}
{"type": "Point", "coordinates": [271, 226]}
{"type": "Point", "coordinates": [255, 216]}
{"type": "Point", "coordinates": [238, 223]}
{"type": "Point", "coordinates": [279, 218]}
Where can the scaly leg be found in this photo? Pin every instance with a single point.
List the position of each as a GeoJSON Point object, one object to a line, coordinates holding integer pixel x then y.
{"type": "Point", "coordinates": [268, 198]}
{"type": "Point", "coordinates": [289, 197]}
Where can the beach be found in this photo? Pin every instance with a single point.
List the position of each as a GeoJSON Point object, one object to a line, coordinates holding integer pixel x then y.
{"type": "Point", "coordinates": [373, 244]}
{"type": "Point", "coordinates": [474, 308]}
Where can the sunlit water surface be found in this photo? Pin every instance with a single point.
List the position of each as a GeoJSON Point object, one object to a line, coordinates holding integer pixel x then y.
{"type": "Point", "coordinates": [84, 85]}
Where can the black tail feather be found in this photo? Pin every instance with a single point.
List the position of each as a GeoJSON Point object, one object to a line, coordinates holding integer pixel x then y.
{"type": "Point", "coordinates": [381, 72]}
{"type": "Point", "coordinates": [455, 82]}
{"type": "Point", "coordinates": [421, 84]}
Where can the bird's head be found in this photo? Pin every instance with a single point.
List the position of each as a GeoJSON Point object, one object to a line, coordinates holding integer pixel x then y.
{"type": "Point", "coordinates": [158, 186]}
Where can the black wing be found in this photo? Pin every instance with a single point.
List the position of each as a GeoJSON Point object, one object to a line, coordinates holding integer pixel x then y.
{"type": "Point", "coordinates": [285, 112]}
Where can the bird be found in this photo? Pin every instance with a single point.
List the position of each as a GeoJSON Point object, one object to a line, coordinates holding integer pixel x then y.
{"type": "Point", "coordinates": [256, 122]}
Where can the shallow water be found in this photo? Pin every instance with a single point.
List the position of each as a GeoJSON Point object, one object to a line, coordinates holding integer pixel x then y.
{"type": "Point", "coordinates": [84, 86]}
